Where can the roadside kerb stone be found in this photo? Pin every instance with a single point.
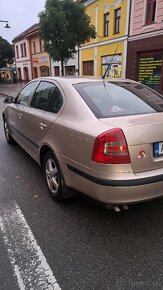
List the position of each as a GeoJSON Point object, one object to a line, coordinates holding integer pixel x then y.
{"type": "Point", "coordinates": [10, 89]}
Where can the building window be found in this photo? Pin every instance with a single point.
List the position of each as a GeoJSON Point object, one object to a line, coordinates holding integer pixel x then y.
{"type": "Point", "coordinates": [151, 11]}
{"type": "Point", "coordinates": [70, 70]}
{"type": "Point", "coordinates": [112, 65]}
{"type": "Point", "coordinates": [34, 47]}
{"type": "Point", "coordinates": [56, 71]}
{"type": "Point", "coordinates": [117, 21]}
{"type": "Point", "coordinates": [17, 52]}
{"type": "Point", "coordinates": [25, 51]}
{"type": "Point", "coordinates": [35, 72]}
{"type": "Point", "coordinates": [21, 48]}
{"type": "Point", "coordinates": [19, 74]}
{"type": "Point", "coordinates": [149, 68]}
{"type": "Point", "coordinates": [44, 71]}
{"type": "Point", "coordinates": [106, 24]}
{"type": "Point", "coordinates": [41, 45]}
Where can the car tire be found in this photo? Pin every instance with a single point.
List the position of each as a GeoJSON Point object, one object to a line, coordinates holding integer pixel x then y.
{"type": "Point", "coordinates": [54, 177]}
{"type": "Point", "coordinates": [8, 137]}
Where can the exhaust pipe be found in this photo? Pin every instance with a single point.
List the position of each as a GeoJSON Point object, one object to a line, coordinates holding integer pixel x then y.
{"type": "Point", "coordinates": [117, 208]}
{"type": "Point", "coordinates": [125, 206]}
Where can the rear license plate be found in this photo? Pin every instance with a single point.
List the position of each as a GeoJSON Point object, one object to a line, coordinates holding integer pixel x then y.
{"type": "Point", "coordinates": [158, 149]}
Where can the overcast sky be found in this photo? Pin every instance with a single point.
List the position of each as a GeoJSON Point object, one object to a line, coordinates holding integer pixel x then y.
{"type": "Point", "coordinates": [21, 14]}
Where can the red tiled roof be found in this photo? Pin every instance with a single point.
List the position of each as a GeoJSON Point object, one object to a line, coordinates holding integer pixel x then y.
{"type": "Point", "coordinates": [32, 29]}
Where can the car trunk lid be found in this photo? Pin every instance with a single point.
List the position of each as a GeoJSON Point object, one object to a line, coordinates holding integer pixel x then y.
{"type": "Point", "coordinates": [144, 135]}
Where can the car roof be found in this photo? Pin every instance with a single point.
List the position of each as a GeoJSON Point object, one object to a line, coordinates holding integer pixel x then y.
{"type": "Point", "coordinates": [81, 79]}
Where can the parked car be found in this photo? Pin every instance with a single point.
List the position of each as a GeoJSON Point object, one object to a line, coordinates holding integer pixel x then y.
{"type": "Point", "coordinates": [103, 138]}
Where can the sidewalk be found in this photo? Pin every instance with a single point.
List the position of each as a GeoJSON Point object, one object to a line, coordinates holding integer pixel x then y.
{"type": "Point", "coordinates": [11, 89]}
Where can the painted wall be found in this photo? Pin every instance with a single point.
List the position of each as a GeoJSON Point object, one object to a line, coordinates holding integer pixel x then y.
{"type": "Point", "coordinates": [91, 12]}
{"type": "Point", "coordinates": [106, 50]}
{"type": "Point", "coordinates": [38, 58]}
{"type": "Point", "coordinates": [138, 16]}
{"type": "Point", "coordinates": [23, 62]}
{"type": "Point", "coordinates": [71, 62]}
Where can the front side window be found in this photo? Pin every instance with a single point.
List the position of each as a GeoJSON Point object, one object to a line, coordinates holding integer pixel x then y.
{"type": "Point", "coordinates": [150, 11]}
{"type": "Point", "coordinates": [26, 93]}
{"type": "Point", "coordinates": [117, 21]}
{"type": "Point", "coordinates": [115, 98]}
{"type": "Point", "coordinates": [47, 97]}
{"type": "Point", "coordinates": [106, 24]}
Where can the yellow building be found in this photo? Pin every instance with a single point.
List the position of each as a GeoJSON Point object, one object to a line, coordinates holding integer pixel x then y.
{"type": "Point", "coordinates": [109, 49]}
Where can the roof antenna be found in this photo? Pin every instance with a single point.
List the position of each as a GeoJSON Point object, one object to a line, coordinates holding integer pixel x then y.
{"type": "Point", "coordinates": [104, 75]}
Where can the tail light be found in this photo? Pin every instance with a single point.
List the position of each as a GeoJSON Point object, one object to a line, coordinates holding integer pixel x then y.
{"type": "Point", "coordinates": [111, 148]}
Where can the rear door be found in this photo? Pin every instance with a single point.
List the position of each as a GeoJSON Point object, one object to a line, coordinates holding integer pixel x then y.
{"type": "Point", "coordinates": [39, 116]}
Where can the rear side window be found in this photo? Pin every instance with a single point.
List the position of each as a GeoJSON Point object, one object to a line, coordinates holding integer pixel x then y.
{"type": "Point", "coordinates": [47, 97]}
{"type": "Point", "coordinates": [111, 99]}
{"type": "Point", "coordinates": [56, 101]}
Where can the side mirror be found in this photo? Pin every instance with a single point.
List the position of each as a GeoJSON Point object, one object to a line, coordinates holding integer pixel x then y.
{"type": "Point", "coordinates": [8, 100]}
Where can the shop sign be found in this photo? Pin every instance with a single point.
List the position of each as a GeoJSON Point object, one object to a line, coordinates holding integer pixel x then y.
{"type": "Point", "coordinates": [111, 59]}
{"type": "Point", "coordinates": [43, 59]}
{"type": "Point", "coordinates": [35, 60]}
{"type": "Point", "coordinates": [149, 68]}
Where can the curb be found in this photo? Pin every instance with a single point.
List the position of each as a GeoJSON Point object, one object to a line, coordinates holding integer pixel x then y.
{"type": "Point", "coordinates": [3, 95]}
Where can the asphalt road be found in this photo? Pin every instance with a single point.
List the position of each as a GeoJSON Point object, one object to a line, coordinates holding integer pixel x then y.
{"type": "Point", "coordinates": [80, 244]}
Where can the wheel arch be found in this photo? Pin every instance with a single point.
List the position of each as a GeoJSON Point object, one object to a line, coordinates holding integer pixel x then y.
{"type": "Point", "coordinates": [43, 151]}
{"type": "Point", "coordinates": [65, 172]}
{"type": "Point", "coordinates": [66, 192]}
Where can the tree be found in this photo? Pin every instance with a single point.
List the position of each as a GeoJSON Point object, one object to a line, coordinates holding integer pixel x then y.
{"type": "Point", "coordinates": [6, 52]}
{"type": "Point", "coordinates": [64, 25]}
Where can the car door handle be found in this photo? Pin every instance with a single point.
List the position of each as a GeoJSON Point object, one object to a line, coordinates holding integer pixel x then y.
{"type": "Point", "coordinates": [42, 126]}
{"type": "Point", "coordinates": [20, 116]}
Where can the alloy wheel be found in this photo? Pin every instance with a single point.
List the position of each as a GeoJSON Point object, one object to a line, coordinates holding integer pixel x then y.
{"type": "Point", "coordinates": [52, 175]}
{"type": "Point", "coordinates": [6, 129]}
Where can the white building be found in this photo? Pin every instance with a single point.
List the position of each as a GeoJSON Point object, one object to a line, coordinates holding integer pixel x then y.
{"type": "Point", "coordinates": [70, 67]}
{"type": "Point", "coordinates": [25, 58]}
{"type": "Point", "coordinates": [22, 56]}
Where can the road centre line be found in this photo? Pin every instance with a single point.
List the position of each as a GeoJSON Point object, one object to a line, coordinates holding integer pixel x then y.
{"type": "Point", "coordinates": [28, 261]}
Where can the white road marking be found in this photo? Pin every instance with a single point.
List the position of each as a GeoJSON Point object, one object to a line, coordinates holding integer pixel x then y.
{"type": "Point", "coordinates": [28, 261]}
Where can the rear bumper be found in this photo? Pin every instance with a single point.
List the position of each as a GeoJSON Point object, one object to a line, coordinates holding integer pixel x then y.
{"type": "Point", "coordinates": [117, 191]}
{"type": "Point", "coordinates": [119, 183]}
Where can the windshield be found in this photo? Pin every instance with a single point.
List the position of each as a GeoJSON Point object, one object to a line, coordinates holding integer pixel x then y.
{"type": "Point", "coordinates": [111, 99]}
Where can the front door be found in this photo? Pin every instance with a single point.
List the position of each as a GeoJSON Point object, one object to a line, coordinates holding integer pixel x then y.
{"type": "Point", "coordinates": [16, 110]}
{"type": "Point", "coordinates": [39, 116]}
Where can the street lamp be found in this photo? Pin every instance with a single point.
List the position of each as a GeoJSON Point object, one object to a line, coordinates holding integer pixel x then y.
{"type": "Point", "coordinates": [7, 25]}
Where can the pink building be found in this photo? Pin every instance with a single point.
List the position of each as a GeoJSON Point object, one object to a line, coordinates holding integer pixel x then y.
{"type": "Point", "coordinates": [145, 45]}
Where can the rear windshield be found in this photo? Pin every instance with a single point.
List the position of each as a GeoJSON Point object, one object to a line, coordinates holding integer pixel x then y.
{"type": "Point", "coordinates": [112, 99]}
